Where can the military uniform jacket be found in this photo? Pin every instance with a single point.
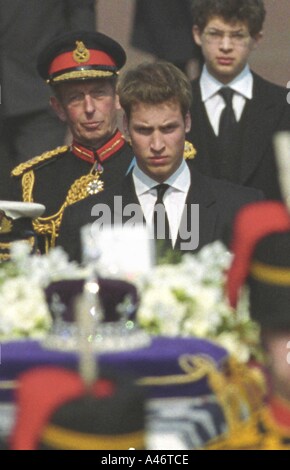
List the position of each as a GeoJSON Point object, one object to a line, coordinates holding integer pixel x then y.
{"type": "Point", "coordinates": [267, 113]}
{"type": "Point", "coordinates": [66, 175]}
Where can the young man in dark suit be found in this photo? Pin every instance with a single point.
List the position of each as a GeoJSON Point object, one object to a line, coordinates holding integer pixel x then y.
{"type": "Point", "coordinates": [156, 98]}
{"type": "Point", "coordinates": [241, 149]}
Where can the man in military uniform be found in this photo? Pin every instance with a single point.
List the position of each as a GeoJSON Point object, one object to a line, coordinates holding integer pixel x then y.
{"type": "Point", "coordinates": [261, 248]}
{"type": "Point", "coordinates": [82, 69]}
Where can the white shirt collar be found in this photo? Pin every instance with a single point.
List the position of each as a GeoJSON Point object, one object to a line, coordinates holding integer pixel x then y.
{"type": "Point", "coordinates": [242, 84]}
{"type": "Point", "coordinates": [179, 180]}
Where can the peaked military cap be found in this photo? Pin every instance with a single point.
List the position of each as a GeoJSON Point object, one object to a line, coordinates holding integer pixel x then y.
{"type": "Point", "coordinates": [80, 55]}
{"type": "Point", "coordinates": [110, 415]}
{"type": "Point", "coordinates": [261, 249]}
{"type": "Point", "coordinates": [269, 282]}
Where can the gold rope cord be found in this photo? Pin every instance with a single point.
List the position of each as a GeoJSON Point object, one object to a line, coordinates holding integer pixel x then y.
{"type": "Point", "coordinates": [235, 387]}
{"type": "Point", "coordinates": [259, 432]}
{"type": "Point", "coordinates": [80, 189]}
{"type": "Point", "coordinates": [195, 368]}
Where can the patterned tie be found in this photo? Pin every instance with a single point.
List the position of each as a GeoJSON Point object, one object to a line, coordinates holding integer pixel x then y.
{"type": "Point", "coordinates": [160, 219]}
{"type": "Point", "coordinates": [227, 136]}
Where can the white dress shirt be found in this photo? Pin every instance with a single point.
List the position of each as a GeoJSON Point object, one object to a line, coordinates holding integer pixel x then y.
{"type": "Point", "coordinates": [174, 198]}
{"type": "Point", "coordinates": [214, 103]}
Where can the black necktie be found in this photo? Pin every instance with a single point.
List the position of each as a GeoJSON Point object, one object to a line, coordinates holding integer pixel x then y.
{"type": "Point", "coordinates": [160, 219]}
{"type": "Point", "coordinates": [227, 136]}
{"type": "Point", "coordinates": [227, 119]}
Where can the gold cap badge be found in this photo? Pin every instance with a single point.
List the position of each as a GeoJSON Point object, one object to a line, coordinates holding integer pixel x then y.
{"type": "Point", "coordinates": [81, 54]}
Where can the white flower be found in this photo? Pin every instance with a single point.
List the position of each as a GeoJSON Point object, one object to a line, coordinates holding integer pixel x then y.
{"type": "Point", "coordinates": [188, 299]}
{"type": "Point", "coordinates": [234, 345]}
{"type": "Point", "coordinates": [52, 267]}
{"type": "Point", "coordinates": [19, 251]}
{"type": "Point", "coordinates": [24, 311]}
{"type": "Point", "coordinates": [161, 312]}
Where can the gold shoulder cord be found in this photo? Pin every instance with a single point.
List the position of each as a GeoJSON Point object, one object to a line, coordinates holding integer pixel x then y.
{"type": "Point", "coordinates": [20, 169]}
{"type": "Point", "coordinates": [259, 432]}
{"type": "Point", "coordinates": [275, 437]}
{"type": "Point", "coordinates": [239, 388]}
{"type": "Point", "coordinates": [80, 189]}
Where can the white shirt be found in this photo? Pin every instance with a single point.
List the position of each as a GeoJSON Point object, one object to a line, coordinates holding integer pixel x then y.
{"type": "Point", "coordinates": [174, 198]}
{"type": "Point", "coordinates": [214, 103]}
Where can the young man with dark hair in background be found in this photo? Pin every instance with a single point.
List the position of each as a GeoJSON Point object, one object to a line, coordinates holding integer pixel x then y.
{"type": "Point", "coordinates": [235, 112]}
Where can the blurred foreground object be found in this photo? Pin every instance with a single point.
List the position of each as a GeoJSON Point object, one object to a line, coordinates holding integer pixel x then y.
{"type": "Point", "coordinates": [262, 263]}
{"type": "Point", "coordinates": [109, 415]}
{"type": "Point", "coordinates": [16, 224]}
{"type": "Point", "coordinates": [282, 151]}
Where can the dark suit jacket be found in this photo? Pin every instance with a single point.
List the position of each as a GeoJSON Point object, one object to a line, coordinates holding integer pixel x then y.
{"type": "Point", "coordinates": [218, 202]}
{"type": "Point", "coordinates": [26, 26]}
{"type": "Point", "coordinates": [267, 113]}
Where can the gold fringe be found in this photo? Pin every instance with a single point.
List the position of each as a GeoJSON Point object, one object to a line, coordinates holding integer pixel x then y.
{"type": "Point", "coordinates": [79, 74]}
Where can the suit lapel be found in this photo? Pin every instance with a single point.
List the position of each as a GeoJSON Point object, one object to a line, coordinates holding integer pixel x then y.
{"type": "Point", "coordinates": [130, 200]}
{"type": "Point", "coordinates": [199, 193]}
{"type": "Point", "coordinates": [261, 113]}
{"type": "Point", "coordinates": [198, 134]}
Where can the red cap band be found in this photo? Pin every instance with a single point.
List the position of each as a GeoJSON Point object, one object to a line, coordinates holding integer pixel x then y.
{"type": "Point", "coordinates": [66, 61]}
